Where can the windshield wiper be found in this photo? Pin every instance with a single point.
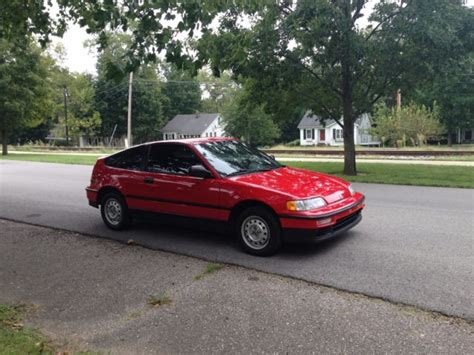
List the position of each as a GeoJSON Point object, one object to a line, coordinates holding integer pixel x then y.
{"type": "Point", "coordinates": [238, 172]}
{"type": "Point", "coordinates": [249, 171]}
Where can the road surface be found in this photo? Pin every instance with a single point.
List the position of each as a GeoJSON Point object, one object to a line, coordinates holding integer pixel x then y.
{"type": "Point", "coordinates": [414, 245]}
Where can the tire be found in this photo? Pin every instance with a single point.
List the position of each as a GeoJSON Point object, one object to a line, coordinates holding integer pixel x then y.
{"type": "Point", "coordinates": [114, 211]}
{"type": "Point", "coordinates": [258, 231]}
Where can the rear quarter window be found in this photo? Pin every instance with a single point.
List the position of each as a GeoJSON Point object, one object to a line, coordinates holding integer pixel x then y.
{"type": "Point", "coordinates": [130, 159]}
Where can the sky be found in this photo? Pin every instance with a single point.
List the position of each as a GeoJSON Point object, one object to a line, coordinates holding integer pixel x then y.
{"type": "Point", "coordinates": [83, 60]}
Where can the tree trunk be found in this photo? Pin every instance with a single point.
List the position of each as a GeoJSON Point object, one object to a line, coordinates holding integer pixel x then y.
{"type": "Point", "coordinates": [450, 137]}
{"type": "Point", "coordinates": [346, 93]}
{"type": "Point", "coordinates": [4, 141]}
{"type": "Point", "coordinates": [349, 146]}
{"type": "Point", "coordinates": [348, 131]}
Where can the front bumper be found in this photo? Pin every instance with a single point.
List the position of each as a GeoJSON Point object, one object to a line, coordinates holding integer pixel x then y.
{"type": "Point", "coordinates": [293, 235]}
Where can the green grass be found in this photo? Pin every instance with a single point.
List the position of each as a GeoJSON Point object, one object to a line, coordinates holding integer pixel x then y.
{"type": "Point", "coordinates": [210, 269]}
{"type": "Point", "coordinates": [53, 158]}
{"type": "Point", "coordinates": [469, 157]}
{"type": "Point", "coordinates": [341, 148]}
{"type": "Point", "coordinates": [400, 174]}
{"type": "Point", "coordinates": [158, 300]}
{"type": "Point", "coordinates": [15, 338]}
{"type": "Point", "coordinates": [422, 175]}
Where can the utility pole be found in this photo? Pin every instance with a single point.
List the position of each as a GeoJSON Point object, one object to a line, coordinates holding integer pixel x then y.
{"type": "Point", "coordinates": [399, 99]}
{"type": "Point", "coordinates": [66, 94]}
{"type": "Point", "coordinates": [129, 116]}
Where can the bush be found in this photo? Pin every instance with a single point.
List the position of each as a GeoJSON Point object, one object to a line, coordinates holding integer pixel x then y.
{"type": "Point", "coordinates": [409, 125]}
{"type": "Point", "coordinates": [295, 143]}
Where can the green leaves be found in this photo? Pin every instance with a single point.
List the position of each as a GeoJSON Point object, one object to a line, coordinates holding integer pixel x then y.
{"type": "Point", "coordinates": [409, 125]}
{"type": "Point", "coordinates": [25, 96]}
{"type": "Point", "coordinates": [248, 122]}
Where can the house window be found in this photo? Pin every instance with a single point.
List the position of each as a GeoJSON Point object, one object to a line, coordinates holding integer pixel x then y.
{"type": "Point", "coordinates": [337, 134]}
{"type": "Point", "coordinates": [309, 134]}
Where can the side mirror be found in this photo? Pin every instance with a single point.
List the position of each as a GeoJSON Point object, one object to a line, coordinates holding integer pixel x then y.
{"type": "Point", "coordinates": [199, 171]}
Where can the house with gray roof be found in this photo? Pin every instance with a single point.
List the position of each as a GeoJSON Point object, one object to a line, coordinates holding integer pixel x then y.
{"type": "Point", "coordinates": [196, 125]}
{"type": "Point", "coordinates": [314, 131]}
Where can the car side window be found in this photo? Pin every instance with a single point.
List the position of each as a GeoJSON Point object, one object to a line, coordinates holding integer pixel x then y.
{"type": "Point", "coordinates": [130, 159]}
{"type": "Point", "coordinates": [171, 159]}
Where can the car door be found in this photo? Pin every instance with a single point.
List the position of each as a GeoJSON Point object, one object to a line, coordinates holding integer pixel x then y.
{"type": "Point", "coordinates": [170, 189]}
{"type": "Point", "coordinates": [126, 173]}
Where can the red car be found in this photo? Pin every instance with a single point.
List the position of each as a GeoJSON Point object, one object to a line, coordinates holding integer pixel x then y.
{"type": "Point", "coordinates": [223, 179]}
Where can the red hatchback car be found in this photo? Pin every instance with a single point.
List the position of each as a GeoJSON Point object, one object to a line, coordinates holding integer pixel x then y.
{"type": "Point", "coordinates": [223, 179]}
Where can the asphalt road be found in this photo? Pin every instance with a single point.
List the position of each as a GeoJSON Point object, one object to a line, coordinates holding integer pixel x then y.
{"type": "Point", "coordinates": [414, 245]}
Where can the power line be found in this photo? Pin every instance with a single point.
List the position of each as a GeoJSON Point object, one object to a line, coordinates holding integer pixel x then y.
{"type": "Point", "coordinates": [185, 82]}
{"type": "Point", "coordinates": [115, 87]}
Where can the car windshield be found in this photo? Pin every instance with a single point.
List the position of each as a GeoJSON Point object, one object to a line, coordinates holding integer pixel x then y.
{"type": "Point", "coordinates": [231, 158]}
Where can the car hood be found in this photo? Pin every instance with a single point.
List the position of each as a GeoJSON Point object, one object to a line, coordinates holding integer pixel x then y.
{"type": "Point", "coordinates": [298, 183]}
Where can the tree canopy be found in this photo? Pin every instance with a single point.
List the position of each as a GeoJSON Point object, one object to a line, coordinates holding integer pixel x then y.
{"type": "Point", "coordinates": [25, 98]}
{"type": "Point", "coordinates": [315, 54]}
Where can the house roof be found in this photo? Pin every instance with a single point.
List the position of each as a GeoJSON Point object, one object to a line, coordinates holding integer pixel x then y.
{"type": "Point", "coordinates": [313, 121]}
{"type": "Point", "coordinates": [191, 124]}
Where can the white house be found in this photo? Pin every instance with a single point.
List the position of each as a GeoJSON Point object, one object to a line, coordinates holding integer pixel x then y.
{"type": "Point", "coordinates": [194, 126]}
{"type": "Point", "coordinates": [314, 132]}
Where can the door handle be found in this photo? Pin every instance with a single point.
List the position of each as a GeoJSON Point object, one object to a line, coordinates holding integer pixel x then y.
{"type": "Point", "coordinates": [148, 180]}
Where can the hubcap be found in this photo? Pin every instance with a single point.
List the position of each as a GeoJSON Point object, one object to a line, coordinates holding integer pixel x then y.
{"type": "Point", "coordinates": [113, 211]}
{"type": "Point", "coordinates": [255, 232]}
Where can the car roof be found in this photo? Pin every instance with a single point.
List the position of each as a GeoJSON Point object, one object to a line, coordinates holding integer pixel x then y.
{"type": "Point", "coordinates": [182, 141]}
{"type": "Point", "coordinates": [193, 140]}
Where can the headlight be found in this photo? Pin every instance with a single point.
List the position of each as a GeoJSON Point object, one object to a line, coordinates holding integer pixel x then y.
{"type": "Point", "coordinates": [306, 205]}
{"type": "Point", "coordinates": [351, 189]}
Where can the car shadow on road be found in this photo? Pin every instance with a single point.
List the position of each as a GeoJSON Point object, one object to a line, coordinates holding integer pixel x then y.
{"type": "Point", "coordinates": [184, 229]}
{"type": "Point", "coordinates": [179, 234]}
{"type": "Point", "coordinates": [311, 249]}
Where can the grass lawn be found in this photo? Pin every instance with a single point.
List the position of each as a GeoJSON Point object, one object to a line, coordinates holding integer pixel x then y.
{"type": "Point", "coordinates": [424, 175]}
{"type": "Point", "coordinates": [15, 338]}
{"type": "Point", "coordinates": [469, 147]}
{"type": "Point", "coordinates": [398, 174]}
{"type": "Point", "coordinates": [54, 158]}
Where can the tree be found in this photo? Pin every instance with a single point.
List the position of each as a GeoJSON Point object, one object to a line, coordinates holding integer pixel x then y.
{"type": "Point", "coordinates": [181, 92]}
{"type": "Point", "coordinates": [217, 91]}
{"type": "Point", "coordinates": [251, 123]}
{"type": "Point", "coordinates": [112, 94]}
{"type": "Point", "coordinates": [316, 55]}
{"type": "Point", "coordinates": [24, 94]}
{"type": "Point", "coordinates": [84, 119]}
{"type": "Point", "coordinates": [412, 123]}
{"type": "Point", "coordinates": [453, 93]}
{"type": "Point", "coordinates": [147, 107]}
{"type": "Point", "coordinates": [20, 19]}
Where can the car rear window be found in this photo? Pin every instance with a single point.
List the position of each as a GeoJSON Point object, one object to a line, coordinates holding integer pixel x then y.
{"type": "Point", "coordinates": [130, 159]}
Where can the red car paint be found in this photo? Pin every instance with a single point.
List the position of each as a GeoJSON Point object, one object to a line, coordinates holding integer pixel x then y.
{"type": "Point", "coordinates": [216, 198]}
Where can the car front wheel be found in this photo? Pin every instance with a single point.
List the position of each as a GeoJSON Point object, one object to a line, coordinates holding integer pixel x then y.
{"type": "Point", "coordinates": [114, 211]}
{"type": "Point", "coordinates": [258, 231]}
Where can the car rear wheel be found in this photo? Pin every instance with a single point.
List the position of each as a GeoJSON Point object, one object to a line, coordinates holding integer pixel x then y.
{"type": "Point", "coordinates": [114, 211]}
{"type": "Point", "coordinates": [258, 231]}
